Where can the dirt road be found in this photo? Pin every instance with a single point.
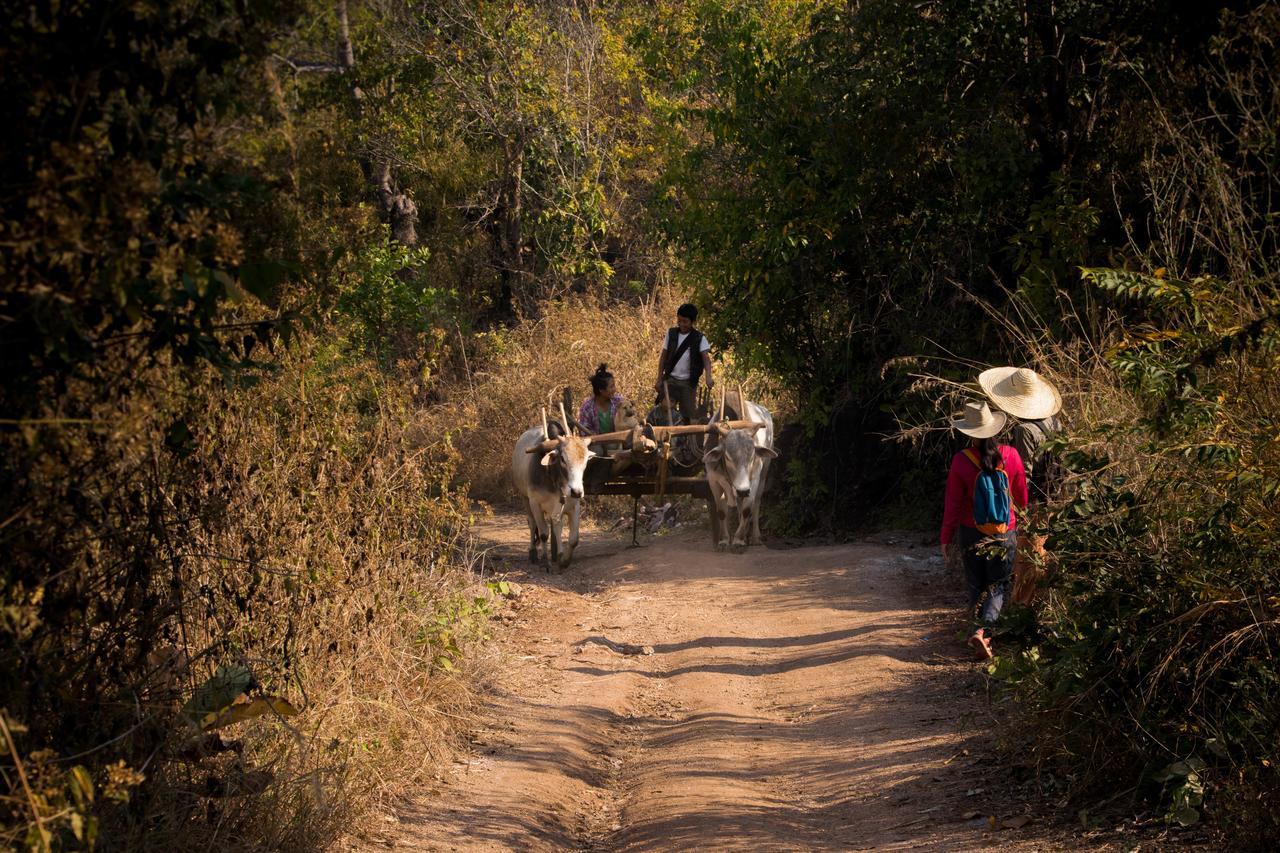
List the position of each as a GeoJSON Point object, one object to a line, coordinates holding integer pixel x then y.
{"type": "Point", "coordinates": [670, 697]}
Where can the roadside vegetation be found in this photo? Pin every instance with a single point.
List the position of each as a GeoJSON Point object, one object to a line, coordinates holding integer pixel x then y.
{"type": "Point", "coordinates": [890, 196]}
{"type": "Point", "coordinates": [280, 282]}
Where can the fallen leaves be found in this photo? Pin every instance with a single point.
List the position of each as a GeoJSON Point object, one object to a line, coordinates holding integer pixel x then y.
{"type": "Point", "coordinates": [256, 707]}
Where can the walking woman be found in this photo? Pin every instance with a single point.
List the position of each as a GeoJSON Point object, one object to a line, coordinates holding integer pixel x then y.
{"type": "Point", "coordinates": [985, 484]}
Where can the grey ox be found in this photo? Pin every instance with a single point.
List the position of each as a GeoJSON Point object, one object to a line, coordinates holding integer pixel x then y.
{"type": "Point", "coordinates": [736, 468]}
{"type": "Point", "coordinates": [548, 474]}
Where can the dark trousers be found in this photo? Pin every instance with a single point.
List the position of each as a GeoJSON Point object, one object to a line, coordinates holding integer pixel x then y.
{"type": "Point", "coordinates": [683, 397]}
{"type": "Point", "coordinates": [988, 565]}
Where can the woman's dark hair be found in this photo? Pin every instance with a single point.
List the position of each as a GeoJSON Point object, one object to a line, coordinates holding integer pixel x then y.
{"type": "Point", "coordinates": [600, 379]}
{"type": "Point", "coordinates": [989, 452]}
{"type": "Point", "coordinates": [688, 310]}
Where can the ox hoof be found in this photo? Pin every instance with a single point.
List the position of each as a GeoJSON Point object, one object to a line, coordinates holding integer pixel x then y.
{"type": "Point", "coordinates": [722, 545]}
{"type": "Point", "coordinates": [563, 564]}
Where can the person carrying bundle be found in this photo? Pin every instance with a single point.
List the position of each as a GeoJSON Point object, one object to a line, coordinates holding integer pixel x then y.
{"type": "Point", "coordinates": [1034, 404]}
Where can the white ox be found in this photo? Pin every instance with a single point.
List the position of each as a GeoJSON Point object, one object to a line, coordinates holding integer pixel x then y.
{"type": "Point", "coordinates": [736, 468]}
{"type": "Point", "coordinates": [548, 474]}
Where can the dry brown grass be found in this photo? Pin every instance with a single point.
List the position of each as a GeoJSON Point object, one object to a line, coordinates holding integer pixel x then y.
{"type": "Point", "coordinates": [511, 374]}
{"type": "Point", "coordinates": [315, 532]}
{"type": "Point", "coordinates": [312, 536]}
{"type": "Point", "coordinates": [526, 368]}
{"type": "Point", "coordinates": [363, 587]}
{"type": "Point", "coordinates": [519, 371]}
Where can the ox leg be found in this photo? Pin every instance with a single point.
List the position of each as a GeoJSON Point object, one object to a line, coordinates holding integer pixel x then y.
{"type": "Point", "coordinates": [555, 540]}
{"type": "Point", "coordinates": [540, 519]}
{"type": "Point", "coordinates": [533, 534]}
{"type": "Point", "coordinates": [757, 489]}
{"type": "Point", "coordinates": [746, 509]}
{"type": "Point", "coordinates": [713, 512]}
{"type": "Point", "coordinates": [720, 506]}
{"type": "Point", "coordinates": [573, 509]}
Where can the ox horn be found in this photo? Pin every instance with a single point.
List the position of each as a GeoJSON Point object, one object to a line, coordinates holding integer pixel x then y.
{"type": "Point", "coordinates": [564, 418]}
{"type": "Point", "coordinates": [546, 434]}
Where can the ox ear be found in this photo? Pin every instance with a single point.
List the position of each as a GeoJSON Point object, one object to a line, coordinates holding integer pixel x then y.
{"type": "Point", "coordinates": [549, 459]}
{"type": "Point", "coordinates": [714, 455]}
{"type": "Point", "coordinates": [766, 453]}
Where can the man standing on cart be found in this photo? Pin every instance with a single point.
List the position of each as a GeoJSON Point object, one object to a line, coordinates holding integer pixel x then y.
{"type": "Point", "coordinates": [686, 355]}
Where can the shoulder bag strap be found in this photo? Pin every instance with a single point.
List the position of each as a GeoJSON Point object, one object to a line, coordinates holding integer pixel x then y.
{"type": "Point", "coordinates": [674, 358]}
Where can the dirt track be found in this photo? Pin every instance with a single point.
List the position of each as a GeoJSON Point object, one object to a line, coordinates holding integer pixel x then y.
{"type": "Point", "coordinates": [812, 698]}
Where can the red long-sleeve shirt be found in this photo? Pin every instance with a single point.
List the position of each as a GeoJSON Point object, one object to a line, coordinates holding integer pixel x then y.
{"type": "Point", "coordinates": [958, 508]}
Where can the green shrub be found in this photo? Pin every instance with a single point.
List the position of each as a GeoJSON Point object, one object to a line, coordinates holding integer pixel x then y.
{"type": "Point", "coordinates": [393, 309]}
{"type": "Point", "coordinates": [1156, 658]}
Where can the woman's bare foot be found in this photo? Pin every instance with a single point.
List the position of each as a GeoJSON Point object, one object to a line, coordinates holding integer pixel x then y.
{"type": "Point", "coordinates": [981, 644]}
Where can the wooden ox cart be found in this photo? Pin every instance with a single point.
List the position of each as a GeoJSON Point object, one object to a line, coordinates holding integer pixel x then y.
{"type": "Point", "coordinates": [659, 459]}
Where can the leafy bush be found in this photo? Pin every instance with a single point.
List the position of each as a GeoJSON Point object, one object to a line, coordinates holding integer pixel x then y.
{"type": "Point", "coordinates": [1157, 648]}
{"type": "Point", "coordinates": [1156, 666]}
{"type": "Point", "coordinates": [857, 171]}
{"type": "Point", "coordinates": [395, 312]}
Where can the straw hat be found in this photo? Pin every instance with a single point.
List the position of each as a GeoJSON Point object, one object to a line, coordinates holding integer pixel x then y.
{"type": "Point", "coordinates": [978, 421]}
{"type": "Point", "coordinates": [1021, 392]}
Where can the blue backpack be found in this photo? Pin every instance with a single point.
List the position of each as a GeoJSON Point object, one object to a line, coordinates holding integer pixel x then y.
{"type": "Point", "coordinates": [991, 498]}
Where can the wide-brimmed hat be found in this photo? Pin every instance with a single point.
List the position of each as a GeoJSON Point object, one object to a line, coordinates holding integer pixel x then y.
{"type": "Point", "coordinates": [978, 421]}
{"type": "Point", "coordinates": [1021, 392]}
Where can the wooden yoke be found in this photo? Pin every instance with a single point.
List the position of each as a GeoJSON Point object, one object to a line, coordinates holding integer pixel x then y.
{"type": "Point", "coordinates": [664, 432]}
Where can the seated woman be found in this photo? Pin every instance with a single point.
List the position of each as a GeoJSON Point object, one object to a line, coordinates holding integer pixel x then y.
{"type": "Point", "coordinates": [599, 413]}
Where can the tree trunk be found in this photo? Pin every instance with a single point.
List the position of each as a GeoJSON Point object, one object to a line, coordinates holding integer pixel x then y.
{"type": "Point", "coordinates": [346, 53]}
{"type": "Point", "coordinates": [510, 232]}
{"type": "Point", "coordinates": [396, 205]}
{"type": "Point", "coordinates": [1047, 107]}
